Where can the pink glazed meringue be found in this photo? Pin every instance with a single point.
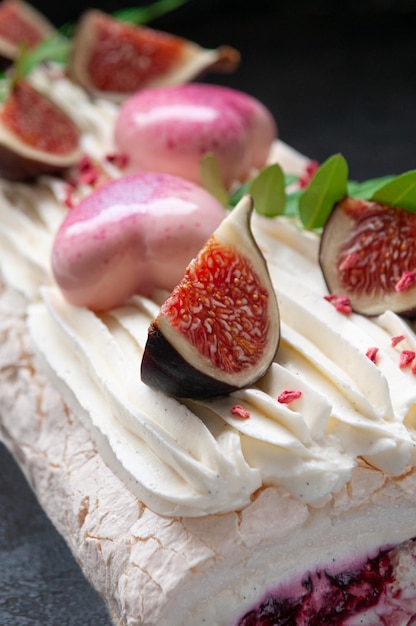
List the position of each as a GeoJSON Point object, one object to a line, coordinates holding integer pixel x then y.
{"type": "Point", "coordinates": [171, 128]}
{"type": "Point", "coordinates": [132, 235]}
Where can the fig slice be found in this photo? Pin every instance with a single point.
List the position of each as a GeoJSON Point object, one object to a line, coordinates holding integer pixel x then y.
{"type": "Point", "coordinates": [219, 329]}
{"type": "Point", "coordinates": [114, 59]}
{"type": "Point", "coordinates": [21, 24]}
{"type": "Point", "coordinates": [367, 253]}
{"type": "Point", "coordinates": [36, 136]}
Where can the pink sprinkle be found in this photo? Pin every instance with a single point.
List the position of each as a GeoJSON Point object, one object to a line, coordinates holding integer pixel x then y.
{"type": "Point", "coordinates": [406, 357]}
{"type": "Point", "coordinates": [414, 368]}
{"type": "Point", "coordinates": [343, 305]}
{"type": "Point", "coordinates": [89, 177]}
{"type": "Point", "coordinates": [238, 411]}
{"type": "Point", "coordinates": [407, 280]}
{"type": "Point", "coordinates": [68, 198]}
{"type": "Point", "coordinates": [72, 182]}
{"type": "Point", "coordinates": [349, 262]}
{"type": "Point", "coordinates": [310, 170]}
{"type": "Point", "coordinates": [118, 160]}
{"type": "Point", "coordinates": [85, 163]}
{"type": "Point", "coordinates": [372, 354]}
{"type": "Point", "coordinates": [312, 166]}
{"type": "Point", "coordinates": [397, 339]}
{"type": "Point", "coordinates": [289, 395]}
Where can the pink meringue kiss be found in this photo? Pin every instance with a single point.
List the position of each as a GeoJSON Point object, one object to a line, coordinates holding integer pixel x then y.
{"type": "Point", "coordinates": [132, 236]}
{"type": "Point", "coordinates": [169, 129]}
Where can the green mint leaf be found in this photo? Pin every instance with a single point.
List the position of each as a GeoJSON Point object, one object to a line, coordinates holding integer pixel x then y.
{"type": "Point", "coordinates": [268, 191]}
{"type": "Point", "coordinates": [5, 86]}
{"type": "Point", "coordinates": [67, 30]}
{"type": "Point", "coordinates": [55, 48]}
{"type": "Point", "coordinates": [144, 15]}
{"type": "Point", "coordinates": [328, 186]}
{"type": "Point", "coordinates": [399, 192]}
{"type": "Point", "coordinates": [366, 189]}
{"type": "Point", "coordinates": [211, 178]}
{"type": "Point", "coordinates": [238, 193]}
{"type": "Point", "coordinates": [290, 179]}
{"type": "Point", "coordinates": [292, 203]}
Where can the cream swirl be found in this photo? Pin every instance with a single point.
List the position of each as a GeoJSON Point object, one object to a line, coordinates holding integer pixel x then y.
{"type": "Point", "coordinates": [197, 458]}
{"type": "Point", "coordinates": [178, 465]}
{"type": "Point", "coordinates": [207, 460]}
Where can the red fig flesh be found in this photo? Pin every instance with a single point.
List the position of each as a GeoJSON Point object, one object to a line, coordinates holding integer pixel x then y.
{"type": "Point", "coordinates": [219, 329]}
{"type": "Point", "coordinates": [115, 59]}
{"type": "Point", "coordinates": [36, 136]}
{"type": "Point", "coordinates": [21, 24]}
{"type": "Point", "coordinates": [367, 253]}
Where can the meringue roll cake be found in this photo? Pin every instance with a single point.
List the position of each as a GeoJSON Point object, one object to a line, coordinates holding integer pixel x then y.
{"type": "Point", "coordinates": [207, 358]}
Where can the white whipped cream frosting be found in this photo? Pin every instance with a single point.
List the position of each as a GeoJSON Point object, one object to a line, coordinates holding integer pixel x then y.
{"type": "Point", "coordinates": [193, 458]}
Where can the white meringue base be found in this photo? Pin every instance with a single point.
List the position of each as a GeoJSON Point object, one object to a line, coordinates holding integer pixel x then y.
{"type": "Point", "coordinates": [153, 570]}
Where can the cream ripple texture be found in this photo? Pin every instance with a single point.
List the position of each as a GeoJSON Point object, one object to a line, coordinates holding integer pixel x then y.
{"type": "Point", "coordinates": [203, 569]}
{"type": "Point", "coordinates": [193, 458]}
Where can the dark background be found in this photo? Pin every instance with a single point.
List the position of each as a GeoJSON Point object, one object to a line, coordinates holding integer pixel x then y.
{"type": "Point", "coordinates": [338, 78]}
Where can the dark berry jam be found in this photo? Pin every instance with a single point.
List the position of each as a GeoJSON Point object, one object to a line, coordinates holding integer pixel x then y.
{"type": "Point", "coordinates": [327, 598]}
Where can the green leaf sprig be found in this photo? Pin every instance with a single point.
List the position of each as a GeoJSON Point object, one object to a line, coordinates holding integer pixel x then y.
{"type": "Point", "coordinates": [312, 205]}
{"type": "Point", "coordinates": [367, 188]}
{"type": "Point", "coordinates": [144, 15]}
{"type": "Point", "coordinates": [267, 187]}
{"type": "Point", "coordinates": [211, 178]}
{"type": "Point", "coordinates": [271, 201]}
{"type": "Point", "coordinates": [55, 48]}
{"type": "Point", "coordinates": [268, 191]}
{"type": "Point", "coordinates": [328, 186]}
{"type": "Point", "coordinates": [398, 192]}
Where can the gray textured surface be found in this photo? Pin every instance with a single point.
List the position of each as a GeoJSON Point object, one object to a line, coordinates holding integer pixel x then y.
{"type": "Point", "coordinates": [40, 582]}
{"type": "Point", "coordinates": [336, 81]}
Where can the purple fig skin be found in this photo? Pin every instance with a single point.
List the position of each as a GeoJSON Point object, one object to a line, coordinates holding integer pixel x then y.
{"type": "Point", "coordinates": [164, 369]}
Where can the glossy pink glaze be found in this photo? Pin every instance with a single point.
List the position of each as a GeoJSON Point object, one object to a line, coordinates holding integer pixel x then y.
{"type": "Point", "coordinates": [131, 236]}
{"type": "Point", "coordinates": [169, 129]}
